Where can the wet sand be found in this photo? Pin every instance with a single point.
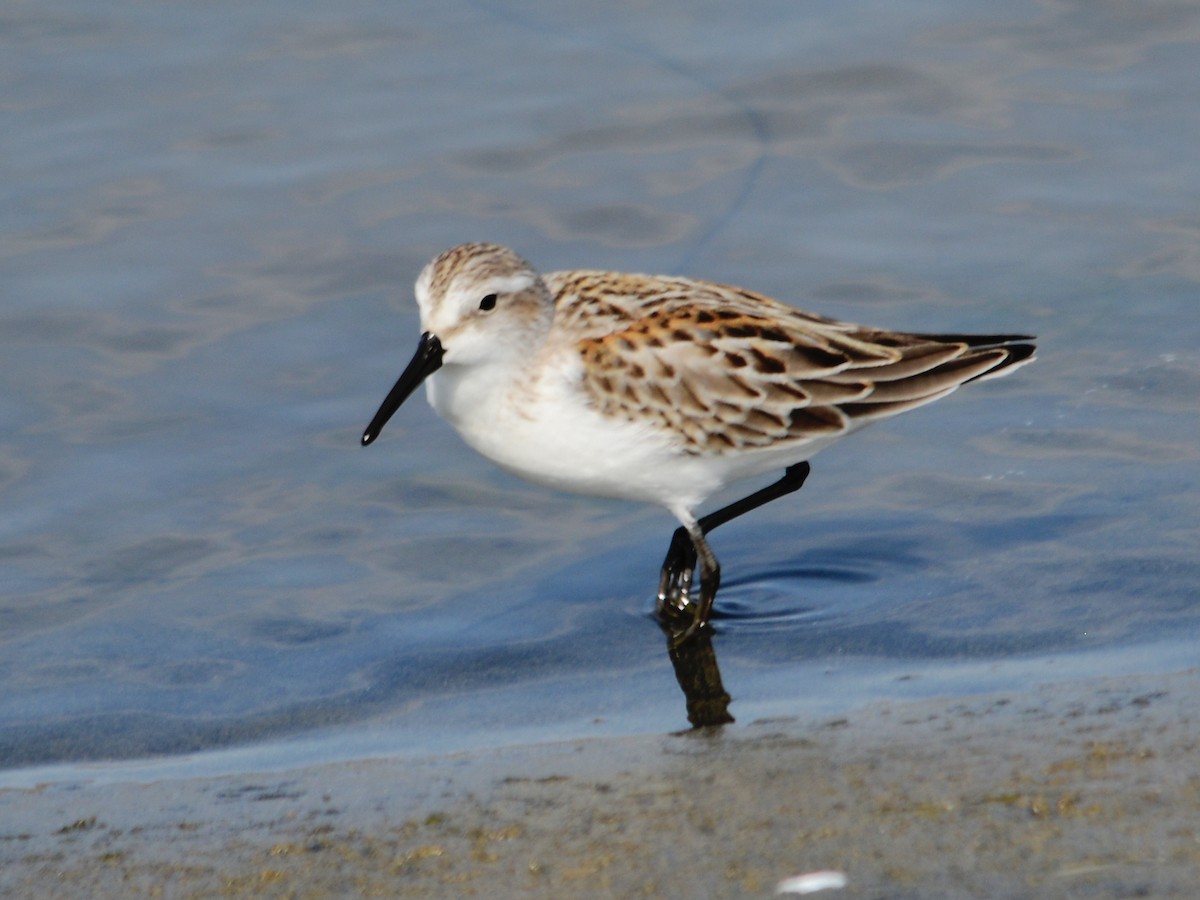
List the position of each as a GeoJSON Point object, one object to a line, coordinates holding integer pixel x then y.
{"type": "Point", "coordinates": [1073, 790]}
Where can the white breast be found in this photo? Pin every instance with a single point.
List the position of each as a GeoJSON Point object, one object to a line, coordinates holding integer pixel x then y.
{"type": "Point", "coordinates": [545, 430]}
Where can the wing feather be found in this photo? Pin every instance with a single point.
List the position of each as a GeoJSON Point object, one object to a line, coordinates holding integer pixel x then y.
{"type": "Point", "coordinates": [723, 369]}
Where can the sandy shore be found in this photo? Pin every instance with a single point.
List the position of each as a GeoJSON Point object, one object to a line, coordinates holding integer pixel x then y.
{"type": "Point", "coordinates": [1080, 790]}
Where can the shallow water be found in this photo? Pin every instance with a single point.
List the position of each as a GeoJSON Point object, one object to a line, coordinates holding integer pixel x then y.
{"type": "Point", "coordinates": [210, 227]}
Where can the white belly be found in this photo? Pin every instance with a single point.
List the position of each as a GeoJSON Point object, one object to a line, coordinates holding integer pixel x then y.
{"type": "Point", "coordinates": [553, 436]}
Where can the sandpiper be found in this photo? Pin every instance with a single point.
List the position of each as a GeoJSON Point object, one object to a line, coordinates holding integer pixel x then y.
{"type": "Point", "coordinates": [661, 389]}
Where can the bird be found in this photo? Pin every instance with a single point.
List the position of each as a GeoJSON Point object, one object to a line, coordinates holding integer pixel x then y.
{"type": "Point", "coordinates": [662, 389]}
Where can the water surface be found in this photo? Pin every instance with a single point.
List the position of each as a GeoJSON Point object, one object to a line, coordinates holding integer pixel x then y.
{"type": "Point", "coordinates": [211, 222]}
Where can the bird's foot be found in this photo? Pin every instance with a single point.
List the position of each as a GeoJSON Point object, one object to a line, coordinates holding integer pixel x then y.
{"type": "Point", "coordinates": [675, 579]}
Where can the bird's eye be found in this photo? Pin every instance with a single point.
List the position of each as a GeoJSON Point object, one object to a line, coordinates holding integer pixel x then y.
{"type": "Point", "coordinates": [488, 303]}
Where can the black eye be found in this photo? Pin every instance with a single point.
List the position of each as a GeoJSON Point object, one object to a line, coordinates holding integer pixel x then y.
{"type": "Point", "coordinates": [488, 303]}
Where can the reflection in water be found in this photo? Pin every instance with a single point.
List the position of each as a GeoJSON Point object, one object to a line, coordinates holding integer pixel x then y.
{"type": "Point", "coordinates": [696, 669]}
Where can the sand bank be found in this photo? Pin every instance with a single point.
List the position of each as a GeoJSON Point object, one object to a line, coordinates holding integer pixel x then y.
{"type": "Point", "coordinates": [1077, 790]}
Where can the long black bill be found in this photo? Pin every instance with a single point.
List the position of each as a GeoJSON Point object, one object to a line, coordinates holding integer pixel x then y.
{"type": "Point", "coordinates": [426, 361]}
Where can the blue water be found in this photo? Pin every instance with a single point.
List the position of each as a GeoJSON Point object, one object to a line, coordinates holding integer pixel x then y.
{"type": "Point", "coordinates": [210, 225]}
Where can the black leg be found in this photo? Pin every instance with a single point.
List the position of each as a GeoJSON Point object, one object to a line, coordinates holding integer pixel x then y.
{"type": "Point", "coordinates": [689, 546]}
{"type": "Point", "coordinates": [792, 481]}
{"type": "Point", "coordinates": [675, 579]}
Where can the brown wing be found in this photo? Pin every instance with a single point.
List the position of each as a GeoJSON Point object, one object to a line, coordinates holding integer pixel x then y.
{"type": "Point", "coordinates": [725, 369]}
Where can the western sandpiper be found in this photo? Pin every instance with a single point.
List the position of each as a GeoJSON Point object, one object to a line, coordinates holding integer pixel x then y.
{"type": "Point", "coordinates": [661, 389]}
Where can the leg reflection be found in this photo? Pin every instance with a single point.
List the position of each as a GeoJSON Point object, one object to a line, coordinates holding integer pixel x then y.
{"type": "Point", "coordinates": [696, 670]}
